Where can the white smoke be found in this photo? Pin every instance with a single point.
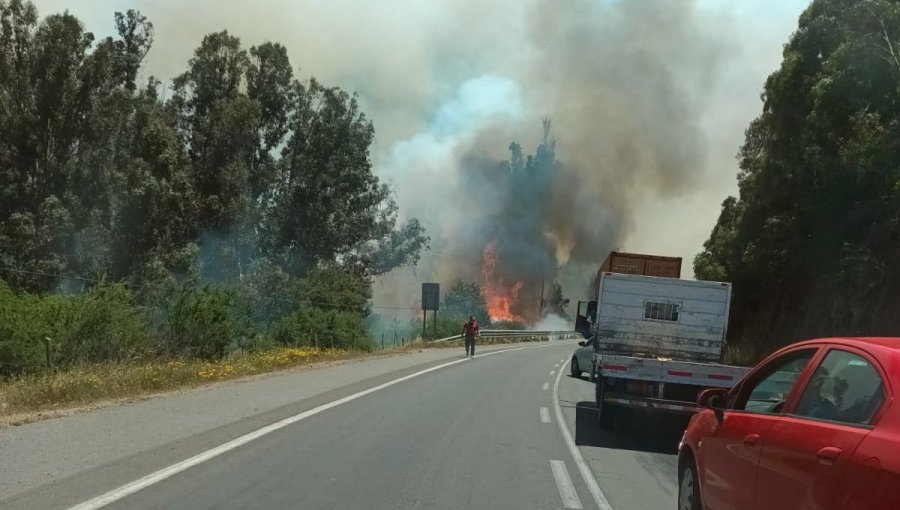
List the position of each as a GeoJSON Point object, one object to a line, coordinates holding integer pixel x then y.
{"type": "Point", "coordinates": [553, 322]}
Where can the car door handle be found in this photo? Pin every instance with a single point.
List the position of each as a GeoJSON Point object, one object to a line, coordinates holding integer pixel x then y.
{"type": "Point", "coordinates": [829, 455]}
{"type": "Point", "coordinates": [751, 440]}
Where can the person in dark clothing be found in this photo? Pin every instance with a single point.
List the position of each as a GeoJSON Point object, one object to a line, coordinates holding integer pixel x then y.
{"type": "Point", "coordinates": [470, 333]}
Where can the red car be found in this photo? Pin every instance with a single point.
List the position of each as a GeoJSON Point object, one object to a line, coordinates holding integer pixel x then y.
{"type": "Point", "coordinates": [814, 426]}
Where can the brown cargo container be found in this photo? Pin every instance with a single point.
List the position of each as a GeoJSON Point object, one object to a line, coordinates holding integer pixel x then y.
{"type": "Point", "coordinates": [637, 263]}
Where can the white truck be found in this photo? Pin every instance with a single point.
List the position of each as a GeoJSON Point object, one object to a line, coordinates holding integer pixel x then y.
{"type": "Point", "coordinates": [657, 343]}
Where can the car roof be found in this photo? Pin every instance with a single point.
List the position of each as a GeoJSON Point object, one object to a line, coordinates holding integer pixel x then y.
{"type": "Point", "coordinates": [888, 343]}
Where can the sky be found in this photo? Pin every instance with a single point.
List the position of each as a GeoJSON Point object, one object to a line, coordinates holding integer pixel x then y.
{"type": "Point", "coordinates": [445, 79]}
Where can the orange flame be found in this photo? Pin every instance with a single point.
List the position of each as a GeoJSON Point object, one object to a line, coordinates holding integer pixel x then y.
{"type": "Point", "coordinates": [499, 296]}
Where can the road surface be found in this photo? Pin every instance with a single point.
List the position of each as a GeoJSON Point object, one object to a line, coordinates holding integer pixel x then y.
{"type": "Point", "coordinates": [441, 433]}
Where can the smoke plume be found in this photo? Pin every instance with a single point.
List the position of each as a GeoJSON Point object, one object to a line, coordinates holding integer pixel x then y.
{"type": "Point", "coordinates": [623, 84]}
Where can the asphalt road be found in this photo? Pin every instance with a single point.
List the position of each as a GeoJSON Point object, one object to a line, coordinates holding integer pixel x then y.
{"type": "Point", "coordinates": [445, 434]}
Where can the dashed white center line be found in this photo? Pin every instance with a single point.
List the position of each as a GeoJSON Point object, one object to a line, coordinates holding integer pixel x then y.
{"type": "Point", "coordinates": [586, 474]}
{"type": "Point", "coordinates": [553, 372]}
{"type": "Point", "coordinates": [545, 415]}
{"type": "Point", "coordinates": [564, 484]}
{"type": "Point", "coordinates": [546, 386]}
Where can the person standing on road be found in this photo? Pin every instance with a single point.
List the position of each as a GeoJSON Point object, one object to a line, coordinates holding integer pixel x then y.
{"type": "Point", "coordinates": [470, 333]}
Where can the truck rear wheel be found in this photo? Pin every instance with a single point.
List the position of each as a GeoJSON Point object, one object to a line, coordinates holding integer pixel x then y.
{"type": "Point", "coordinates": [573, 366]}
{"type": "Point", "coordinates": [605, 412]}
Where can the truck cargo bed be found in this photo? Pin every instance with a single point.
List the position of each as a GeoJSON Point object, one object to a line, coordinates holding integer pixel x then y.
{"type": "Point", "coordinates": [661, 317]}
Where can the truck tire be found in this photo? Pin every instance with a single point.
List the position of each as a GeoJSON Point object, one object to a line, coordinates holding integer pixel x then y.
{"type": "Point", "coordinates": [593, 373]}
{"type": "Point", "coordinates": [605, 412]}
{"type": "Point", "coordinates": [576, 370]}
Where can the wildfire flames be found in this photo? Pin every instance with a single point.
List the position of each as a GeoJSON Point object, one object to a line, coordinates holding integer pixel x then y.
{"type": "Point", "coordinates": [500, 297]}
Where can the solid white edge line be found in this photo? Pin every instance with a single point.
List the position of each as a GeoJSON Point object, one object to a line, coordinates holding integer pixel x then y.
{"type": "Point", "coordinates": [167, 472]}
{"type": "Point", "coordinates": [564, 485]}
{"type": "Point", "coordinates": [586, 474]}
{"type": "Point", "coordinates": [546, 386]}
{"type": "Point", "coordinates": [545, 415]}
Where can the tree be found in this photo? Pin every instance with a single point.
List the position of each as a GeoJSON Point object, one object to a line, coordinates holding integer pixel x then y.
{"type": "Point", "coordinates": [464, 299]}
{"type": "Point", "coordinates": [64, 109]}
{"type": "Point", "coordinates": [817, 214]}
{"type": "Point", "coordinates": [245, 200]}
{"type": "Point", "coordinates": [556, 302]}
{"type": "Point", "coordinates": [329, 205]}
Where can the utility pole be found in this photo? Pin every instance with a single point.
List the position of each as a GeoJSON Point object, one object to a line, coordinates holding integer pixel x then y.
{"type": "Point", "coordinates": [541, 302]}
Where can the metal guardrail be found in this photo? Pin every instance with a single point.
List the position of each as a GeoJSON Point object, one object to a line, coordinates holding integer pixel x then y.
{"type": "Point", "coordinates": [515, 333]}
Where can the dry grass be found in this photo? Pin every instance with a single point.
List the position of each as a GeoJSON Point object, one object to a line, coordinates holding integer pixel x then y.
{"type": "Point", "coordinates": [91, 384]}
{"type": "Point", "coordinates": [33, 397]}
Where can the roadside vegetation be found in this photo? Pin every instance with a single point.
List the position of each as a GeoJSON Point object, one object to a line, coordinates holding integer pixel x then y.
{"type": "Point", "coordinates": [811, 240]}
{"type": "Point", "coordinates": [24, 397]}
{"type": "Point", "coordinates": [90, 384]}
{"type": "Point", "coordinates": [197, 220]}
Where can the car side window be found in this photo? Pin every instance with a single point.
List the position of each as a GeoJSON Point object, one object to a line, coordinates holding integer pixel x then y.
{"type": "Point", "coordinates": [844, 388]}
{"type": "Point", "coordinates": [769, 393]}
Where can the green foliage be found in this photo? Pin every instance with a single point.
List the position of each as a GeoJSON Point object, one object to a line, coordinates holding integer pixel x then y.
{"type": "Point", "coordinates": [200, 323]}
{"type": "Point", "coordinates": [317, 327]}
{"type": "Point", "coordinates": [251, 182]}
{"type": "Point", "coordinates": [101, 178]}
{"type": "Point", "coordinates": [447, 325]}
{"type": "Point", "coordinates": [464, 299]}
{"type": "Point", "coordinates": [818, 184]}
{"type": "Point", "coordinates": [333, 304]}
{"type": "Point", "coordinates": [102, 325]}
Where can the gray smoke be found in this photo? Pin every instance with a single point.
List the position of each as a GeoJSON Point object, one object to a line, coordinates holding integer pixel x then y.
{"type": "Point", "coordinates": [624, 84]}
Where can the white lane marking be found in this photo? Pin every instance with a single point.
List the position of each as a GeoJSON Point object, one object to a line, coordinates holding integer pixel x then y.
{"type": "Point", "coordinates": [564, 484]}
{"type": "Point", "coordinates": [553, 372]}
{"type": "Point", "coordinates": [545, 415]}
{"type": "Point", "coordinates": [546, 386]}
{"type": "Point", "coordinates": [583, 468]}
{"type": "Point", "coordinates": [167, 472]}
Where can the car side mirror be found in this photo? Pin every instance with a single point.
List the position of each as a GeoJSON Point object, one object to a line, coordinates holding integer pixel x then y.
{"type": "Point", "coordinates": [581, 343]}
{"type": "Point", "coordinates": [715, 399]}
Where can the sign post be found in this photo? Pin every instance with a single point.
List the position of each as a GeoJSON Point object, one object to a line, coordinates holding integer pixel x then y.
{"type": "Point", "coordinates": [431, 297]}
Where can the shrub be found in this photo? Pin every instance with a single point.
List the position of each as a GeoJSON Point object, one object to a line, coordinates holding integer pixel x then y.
{"type": "Point", "coordinates": [104, 325]}
{"type": "Point", "coordinates": [200, 323]}
{"type": "Point", "coordinates": [316, 327]}
{"type": "Point", "coordinates": [98, 326]}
